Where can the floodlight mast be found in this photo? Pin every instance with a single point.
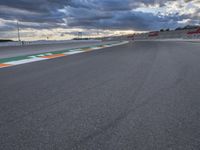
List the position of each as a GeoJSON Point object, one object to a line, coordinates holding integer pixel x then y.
{"type": "Point", "coordinates": [18, 31]}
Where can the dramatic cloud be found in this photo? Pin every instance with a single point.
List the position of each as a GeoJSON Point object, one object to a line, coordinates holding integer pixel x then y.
{"type": "Point", "coordinates": [136, 15]}
{"type": "Point", "coordinates": [130, 14]}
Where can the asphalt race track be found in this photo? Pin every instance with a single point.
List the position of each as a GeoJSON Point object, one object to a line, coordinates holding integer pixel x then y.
{"type": "Point", "coordinates": [138, 96]}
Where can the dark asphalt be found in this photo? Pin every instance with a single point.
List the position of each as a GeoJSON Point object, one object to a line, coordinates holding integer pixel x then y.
{"type": "Point", "coordinates": [138, 96]}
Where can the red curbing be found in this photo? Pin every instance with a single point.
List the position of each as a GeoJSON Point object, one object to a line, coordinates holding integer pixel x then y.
{"type": "Point", "coordinates": [4, 65]}
{"type": "Point", "coordinates": [54, 56]}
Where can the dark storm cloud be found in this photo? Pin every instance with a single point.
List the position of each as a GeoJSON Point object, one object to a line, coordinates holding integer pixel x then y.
{"type": "Point", "coordinates": [112, 14]}
{"type": "Point", "coordinates": [128, 20]}
{"type": "Point", "coordinates": [103, 14]}
{"type": "Point", "coordinates": [41, 6]}
{"type": "Point", "coordinates": [32, 10]}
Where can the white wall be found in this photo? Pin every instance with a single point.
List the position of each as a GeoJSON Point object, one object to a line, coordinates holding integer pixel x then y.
{"type": "Point", "coordinates": [43, 42]}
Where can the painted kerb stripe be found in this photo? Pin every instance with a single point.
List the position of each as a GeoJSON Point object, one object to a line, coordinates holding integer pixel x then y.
{"type": "Point", "coordinates": [7, 62]}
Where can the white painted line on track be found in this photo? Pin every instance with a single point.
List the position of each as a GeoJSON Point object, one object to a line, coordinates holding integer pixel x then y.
{"type": "Point", "coordinates": [72, 52]}
{"type": "Point", "coordinates": [75, 50]}
{"type": "Point", "coordinates": [24, 61]}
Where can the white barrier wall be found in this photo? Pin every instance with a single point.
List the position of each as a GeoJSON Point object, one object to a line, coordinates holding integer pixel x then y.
{"type": "Point", "coordinates": [43, 42]}
{"type": "Point", "coordinates": [10, 43]}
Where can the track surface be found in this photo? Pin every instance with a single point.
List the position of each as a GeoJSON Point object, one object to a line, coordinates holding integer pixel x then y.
{"type": "Point", "coordinates": [138, 96]}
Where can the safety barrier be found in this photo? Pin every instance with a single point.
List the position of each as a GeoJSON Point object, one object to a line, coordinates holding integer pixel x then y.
{"type": "Point", "coordinates": [42, 42]}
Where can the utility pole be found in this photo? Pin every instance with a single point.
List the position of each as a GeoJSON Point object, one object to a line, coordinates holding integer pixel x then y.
{"type": "Point", "coordinates": [80, 34]}
{"type": "Point", "coordinates": [18, 31]}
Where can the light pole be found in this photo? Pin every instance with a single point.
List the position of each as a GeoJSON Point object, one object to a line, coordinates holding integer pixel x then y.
{"type": "Point", "coordinates": [18, 31]}
{"type": "Point", "coordinates": [80, 34]}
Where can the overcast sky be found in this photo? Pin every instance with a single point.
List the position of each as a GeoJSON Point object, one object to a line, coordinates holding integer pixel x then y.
{"type": "Point", "coordinates": [61, 19]}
